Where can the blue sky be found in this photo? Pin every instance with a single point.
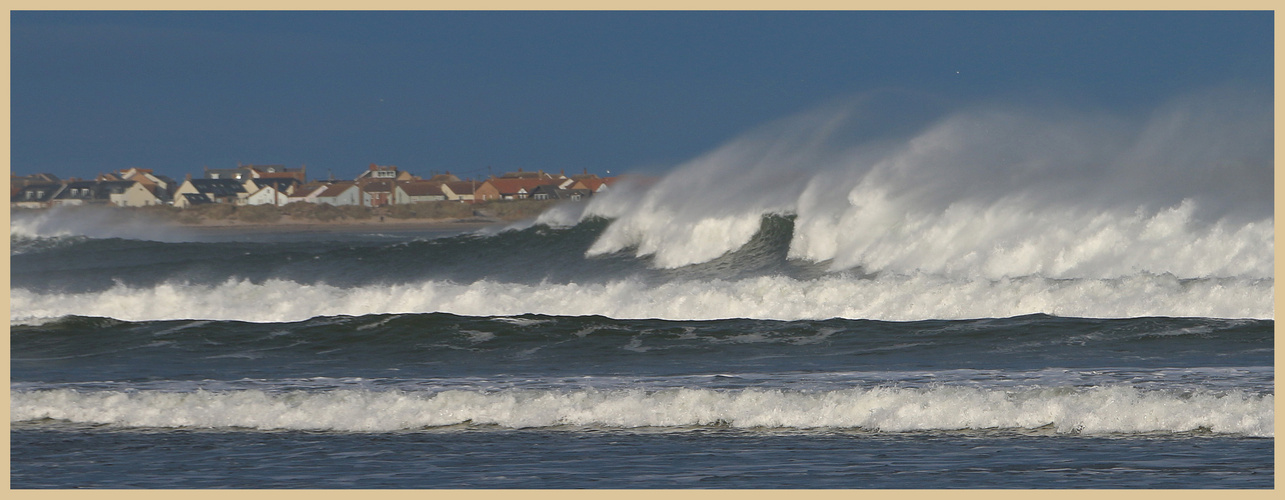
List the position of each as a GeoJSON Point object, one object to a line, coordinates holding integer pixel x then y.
{"type": "Point", "coordinates": [604, 91]}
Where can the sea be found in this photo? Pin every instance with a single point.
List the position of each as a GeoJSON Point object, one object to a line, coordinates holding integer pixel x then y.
{"type": "Point", "coordinates": [892, 326]}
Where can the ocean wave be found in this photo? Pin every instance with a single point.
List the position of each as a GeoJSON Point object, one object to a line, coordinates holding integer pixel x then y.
{"type": "Point", "coordinates": [895, 298]}
{"type": "Point", "coordinates": [989, 192]}
{"type": "Point", "coordinates": [1093, 411]}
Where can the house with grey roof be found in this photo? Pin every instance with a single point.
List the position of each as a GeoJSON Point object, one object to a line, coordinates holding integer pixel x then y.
{"type": "Point", "coordinates": [38, 195]}
{"type": "Point", "coordinates": [215, 190]}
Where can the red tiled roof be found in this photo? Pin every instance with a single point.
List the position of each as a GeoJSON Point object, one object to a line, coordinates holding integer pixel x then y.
{"type": "Point", "coordinates": [593, 184]}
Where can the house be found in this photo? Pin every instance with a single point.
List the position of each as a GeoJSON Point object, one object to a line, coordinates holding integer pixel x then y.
{"type": "Point", "coordinates": [75, 192]}
{"type": "Point", "coordinates": [119, 193]}
{"type": "Point", "coordinates": [511, 188]}
{"type": "Point", "coordinates": [300, 175]}
{"type": "Point", "coordinates": [191, 199]}
{"type": "Point", "coordinates": [552, 192]}
{"type": "Point", "coordinates": [284, 185]}
{"type": "Point", "coordinates": [160, 186]}
{"type": "Point", "coordinates": [339, 194]}
{"type": "Point", "coordinates": [237, 174]}
{"type": "Point", "coordinates": [216, 190]}
{"type": "Point", "coordinates": [385, 172]}
{"type": "Point", "coordinates": [460, 190]}
{"type": "Point", "coordinates": [16, 181]}
{"type": "Point", "coordinates": [444, 178]}
{"type": "Point", "coordinates": [243, 172]}
{"type": "Point", "coordinates": [417, 192]}
{"type": "Point", "coordinates": [376, 193]}
{"type": "Point", "coordinates": [267, 195]}
{"type": "Point", "coordinates": [35, 195]}
{"type": "Point", "coordinates": [539, 174]}
{"type": "Point", "coordinates": [594, 184]}
{"type": "Point", "coordinates": [307, 192]}
{"type": "Point", "coordinates": [136, 194]}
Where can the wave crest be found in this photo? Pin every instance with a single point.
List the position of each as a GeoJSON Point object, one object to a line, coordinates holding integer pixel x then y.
{"type": "Point", "coordinates": [1101, 410]}
{"type": "Point", "coordinates": [896, 298]}
{"type": "Point", "coordinates": [984, 192]}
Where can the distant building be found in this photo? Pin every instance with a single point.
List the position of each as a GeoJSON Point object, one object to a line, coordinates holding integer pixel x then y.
{"type": "Point", "coordinates": [35, 195]}
{"type": "Point", "coordinates": [462, 191]}
{"type": "Point", "coordinates": [511, 188]}
{"type": "Point", "coordinates": [243, 172]}
{"type": "Point", "coordinates": [16, 181]}
{"type": "Point", "coordinates": [118, 193]}
{"type": "Point", "coordinates": [418, 192]}
{"type": "Point", "coordinates": [340, 194]}
{"type": "Point", "coordinates": [594, 183]}
{"type": "Point", "coordinates": [375, 193]}
{"type": "Point", "coordinates": [307, 193]}
{"type": "Point", "coordinates": [539, 174]}
{"type": "Point", "coordinates": [552, 192]}
{"type": "Point", "coordinates": [384, 172]}
{"type": "Point", "coordinates": [214, 190]}
{"type": "Point", "coordinates": [267, 195]}
{"type": "Point", "coordinates": [281, 184]}
{"type": "Point", "coordinates": [444, 178]}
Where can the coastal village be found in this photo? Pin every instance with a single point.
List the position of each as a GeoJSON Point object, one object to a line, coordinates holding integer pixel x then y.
{"type": "Point", "coordinates": [376, 186]}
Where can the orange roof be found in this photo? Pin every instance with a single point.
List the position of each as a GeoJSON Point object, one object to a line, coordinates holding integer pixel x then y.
{"type": "Point", "coordinates": [595, 184]}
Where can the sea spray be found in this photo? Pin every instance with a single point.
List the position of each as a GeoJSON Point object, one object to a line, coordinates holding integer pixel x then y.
{"type": "Point", "coordinates": [988, 191]}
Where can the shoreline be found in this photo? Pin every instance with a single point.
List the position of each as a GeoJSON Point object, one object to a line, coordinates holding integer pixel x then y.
{"type": "Point", "coordinates": [286, 224]}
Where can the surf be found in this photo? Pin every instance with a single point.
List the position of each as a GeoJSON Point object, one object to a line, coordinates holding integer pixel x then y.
{"type": "Point", "coordinates": [1065, 410]}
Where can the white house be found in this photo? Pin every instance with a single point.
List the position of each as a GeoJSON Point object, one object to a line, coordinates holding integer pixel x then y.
{"type": "Point", "coordinates": [306, 194]}
{"type": "Point", "coordinates": [268, 195]}
{"type": "Point", "coordinates": [340, 193]}
{"type": "Point", "coordinates": [136, 195]}
{"type": "Point", "coordinates": [418, 191]}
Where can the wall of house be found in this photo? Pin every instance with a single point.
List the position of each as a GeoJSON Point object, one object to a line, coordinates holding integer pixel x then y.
{"type": "Point", "coordinates": [267, 196]}
{"type": "Point", "coordinates": [486, 192]}
{"type": "Point", "coordinates": [179, 200]}
{"type": "Point", "coordinates": [136, 196]}
{"type": "Point", "coordinates": [352, 196]}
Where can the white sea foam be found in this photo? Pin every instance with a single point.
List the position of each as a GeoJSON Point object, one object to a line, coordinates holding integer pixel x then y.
{"type": "Point", "coordinates": [986, 192]}
{"type": "Point", "coordinates": [1114, 409]}
{"type": "Point", "coordinates": [899, 298]}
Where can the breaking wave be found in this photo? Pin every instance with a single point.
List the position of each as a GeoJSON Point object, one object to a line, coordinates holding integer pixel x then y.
{"type": "Point", "coordinates": [1099, 410]}
{"type": "Point", "coordinates": [897, 298]}
{"type": "Point", "coordinates": [987, 192]}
